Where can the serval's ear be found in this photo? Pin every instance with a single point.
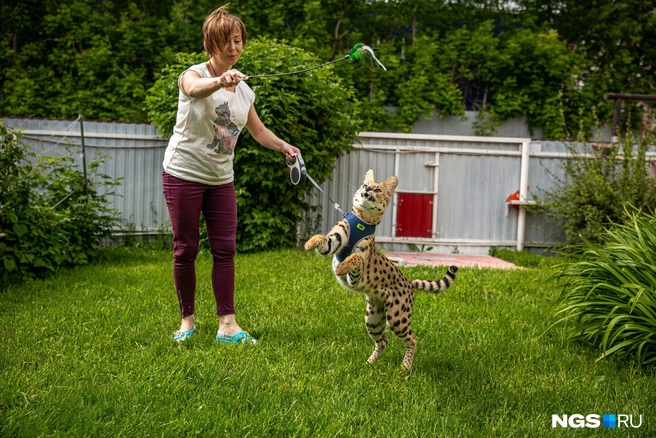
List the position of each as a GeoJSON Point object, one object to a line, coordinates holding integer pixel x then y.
{"type": "Point", "coordinates": [369, 177]}
{"type": "Point", "coordinates": [391, 184]}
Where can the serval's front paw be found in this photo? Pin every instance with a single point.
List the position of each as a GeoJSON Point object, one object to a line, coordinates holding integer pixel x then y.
{"type": "Point", "coordinates": [349, 264]}
{"type": "Point", "coordinates": [315, 242]}
{"type": "Point", "coordinates": [342, 269]}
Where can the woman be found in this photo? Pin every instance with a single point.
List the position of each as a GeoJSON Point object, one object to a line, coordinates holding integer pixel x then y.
{"type": "Point", "coordinates": [213, 107]}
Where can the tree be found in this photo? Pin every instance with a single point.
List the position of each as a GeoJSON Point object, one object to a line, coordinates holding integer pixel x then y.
{"type": "Point", "coordinates": [74, 55]}
{"type": "Point", "coordinates": [616, 38]}
{"type": "Point", "coordinates": [549, 61]}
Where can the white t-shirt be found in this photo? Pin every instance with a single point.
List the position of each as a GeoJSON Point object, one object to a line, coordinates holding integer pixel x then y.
{"type": "Point", "coordinates": [206, 132]}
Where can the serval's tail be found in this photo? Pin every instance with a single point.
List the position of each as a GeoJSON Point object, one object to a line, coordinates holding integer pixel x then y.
{"type": "Point", "coordinates": [437, 285]}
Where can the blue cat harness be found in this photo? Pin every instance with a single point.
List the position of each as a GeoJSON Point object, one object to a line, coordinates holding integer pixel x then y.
{"type": "Point", "coordinates": [358, 230]}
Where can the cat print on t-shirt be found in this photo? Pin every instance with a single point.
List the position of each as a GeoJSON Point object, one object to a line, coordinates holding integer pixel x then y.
{"type": "Point", "coordinates": [225, 131]}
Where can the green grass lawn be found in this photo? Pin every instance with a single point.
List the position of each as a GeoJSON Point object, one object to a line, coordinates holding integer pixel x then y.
{"type": "Point", "coordinates": [89, 353]}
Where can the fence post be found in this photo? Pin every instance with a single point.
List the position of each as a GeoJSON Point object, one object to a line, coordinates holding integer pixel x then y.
{"type": "Point", "coordinates": [523, 192]}
{"type": "Point", "coordinates": [84, 157]}
{"type": "Point", "coordinates": [618, 98]}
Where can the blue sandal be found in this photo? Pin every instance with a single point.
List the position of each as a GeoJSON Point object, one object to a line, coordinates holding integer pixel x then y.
{"type": "Point", "coordinates": [237, 338]}
{"type": "Point", "coordinates": [181, 335]}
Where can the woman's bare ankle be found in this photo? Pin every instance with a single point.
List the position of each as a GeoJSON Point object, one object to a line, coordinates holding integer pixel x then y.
{"type": "Point", "coordinates": [187, 323]}
{"type": "Point", "coordinates": [228, 325]}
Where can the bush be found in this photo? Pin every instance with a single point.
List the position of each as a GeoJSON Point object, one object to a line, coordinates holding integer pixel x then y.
{"type": "Point", "coordinates": [313, 111]}
{"type": "Point", "coordinates": [609, 295]}
{"type": "Point", "coordinates": [598, 182]}
{"type": "Point", "coordinates": [48, 218]}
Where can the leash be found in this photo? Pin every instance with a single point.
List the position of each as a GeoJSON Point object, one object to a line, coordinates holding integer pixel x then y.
{"type": "Point", "coordinates": [298, 174]}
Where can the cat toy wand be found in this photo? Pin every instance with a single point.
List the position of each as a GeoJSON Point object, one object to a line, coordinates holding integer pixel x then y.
{"type": "Point", "coordinates": [359, 52]}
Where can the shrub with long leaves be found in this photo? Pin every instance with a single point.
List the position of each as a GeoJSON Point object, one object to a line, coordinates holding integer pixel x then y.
{"type": "Point", "coordinates": [608, 295]}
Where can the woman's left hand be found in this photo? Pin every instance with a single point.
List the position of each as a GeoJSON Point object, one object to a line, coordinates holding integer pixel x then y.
{"type": "Point", "coordinates": [289, 152]}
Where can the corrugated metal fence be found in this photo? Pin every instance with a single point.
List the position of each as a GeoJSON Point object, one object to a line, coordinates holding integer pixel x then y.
{"type": "Point", "coordinates": [134, 151]}
{"type": "Point", "coordinates": [451, 196]}
{"type": "Point", "coordinates": [452, 190]}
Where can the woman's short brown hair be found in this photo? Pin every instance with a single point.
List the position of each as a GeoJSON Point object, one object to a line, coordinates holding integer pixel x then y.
{"type": "Point", "coordinates": [217, 29]}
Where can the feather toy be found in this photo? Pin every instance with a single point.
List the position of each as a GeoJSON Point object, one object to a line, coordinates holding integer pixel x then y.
{"type": "Point", "coordinates": [359, 53]}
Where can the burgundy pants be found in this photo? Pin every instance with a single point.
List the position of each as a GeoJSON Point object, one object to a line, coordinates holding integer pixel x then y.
{"type": "Point", "coordinates": [186, 200]}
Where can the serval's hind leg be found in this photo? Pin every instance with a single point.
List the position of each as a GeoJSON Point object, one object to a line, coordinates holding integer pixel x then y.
{"type": "Point", "coordinates": [375, 321]}
{"type": "Point", "coordinates": [406, 334]}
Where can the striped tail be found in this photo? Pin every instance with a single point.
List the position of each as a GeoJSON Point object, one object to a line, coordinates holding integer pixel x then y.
{"type": "Point", "coordinates": [437, 285]}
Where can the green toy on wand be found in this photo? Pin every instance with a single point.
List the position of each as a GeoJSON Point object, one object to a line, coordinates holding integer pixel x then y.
{"type": "Point", "coordinates": [360, 52]}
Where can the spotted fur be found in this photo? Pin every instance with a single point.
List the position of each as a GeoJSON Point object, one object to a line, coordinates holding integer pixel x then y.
{"type": "Point", "coordinates": [389, 293]}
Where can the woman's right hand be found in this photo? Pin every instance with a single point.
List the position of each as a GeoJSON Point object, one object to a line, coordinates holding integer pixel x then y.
{"type": "Point", "coordinates": [231, 78]}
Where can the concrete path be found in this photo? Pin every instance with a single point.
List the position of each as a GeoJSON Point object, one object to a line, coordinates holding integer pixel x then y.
{"type": "Point", "coordinates": [459, 260]}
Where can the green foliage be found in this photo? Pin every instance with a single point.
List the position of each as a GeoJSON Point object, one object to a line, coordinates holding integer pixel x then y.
{"type": "Point", "coordinates": [609, 295]}
{"type": "Point", "coordinates": [313, 111]}
{"type": "Point", "coordinates": [598, 182]}
{"type": "Point", "coordinates": [426, 84]}
{"type": "Point", "coordinates": [503, 73]}
{"type": "Point", "coordinates": [535, 59]}
{"type": "Point", "coordinates": [524, 259]}
{"type": "Point", "coordinates": [422, 248]}
{"type": "Point", "coordinates": [612, 37]}
{"type": "Point", "coordinates": [50, 216]}
{"type": "Point", "coordinates": [98, 57]}
{"type": "Point", "coordinates": [529, 77]}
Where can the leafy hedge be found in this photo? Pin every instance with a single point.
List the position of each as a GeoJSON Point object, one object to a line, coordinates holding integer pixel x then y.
{"type": "Point", "coordinates": [313, 111]}
{"type": "Point", "coordinates": [48, 219]}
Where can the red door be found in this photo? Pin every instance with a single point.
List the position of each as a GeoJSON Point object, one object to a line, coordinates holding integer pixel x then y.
{"type": "Point", "coordinates": [414, 217]}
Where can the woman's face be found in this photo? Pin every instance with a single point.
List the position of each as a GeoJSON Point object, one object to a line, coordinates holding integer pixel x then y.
{"type": "Point", "coordinates": [231, 51]}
